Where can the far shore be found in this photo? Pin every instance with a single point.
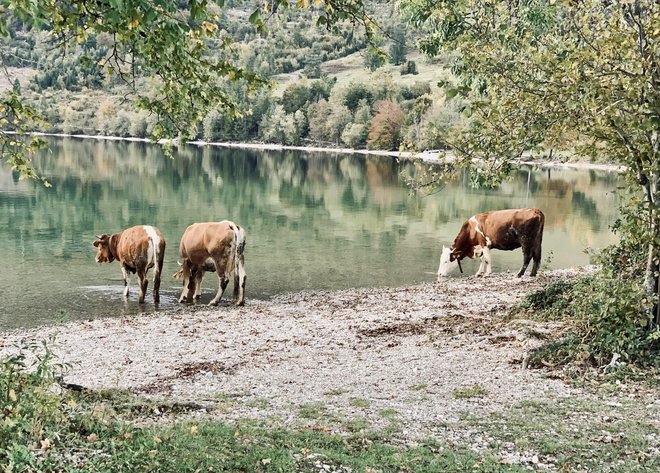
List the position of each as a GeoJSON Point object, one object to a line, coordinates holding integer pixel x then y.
{"type": "Point", "coordinates": [430, 157]}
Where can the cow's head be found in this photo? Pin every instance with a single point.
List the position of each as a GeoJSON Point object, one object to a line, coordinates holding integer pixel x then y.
{"type": "Point", "coordinates": [449, 260]}
{"type": "Point", "coordinates": [104, 254]}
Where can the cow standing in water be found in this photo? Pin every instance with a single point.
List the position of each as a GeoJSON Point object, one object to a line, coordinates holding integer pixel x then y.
{"type": "Point", "coordinates": [499, 230]}
{"type": "Point", "coordinates": [216, 247]}
{"type": "Point", "coordinates": [137, 249]}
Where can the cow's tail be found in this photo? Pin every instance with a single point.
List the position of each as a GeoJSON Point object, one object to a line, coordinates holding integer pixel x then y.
{"type": "Point", "coordinates": [158, 256]}
{"type": "Point", "coordinates": [179, 273]}
{"type": "Point", "coordinates": [238, 247]}
{"type": "Point", "coordinates": [239, 236]}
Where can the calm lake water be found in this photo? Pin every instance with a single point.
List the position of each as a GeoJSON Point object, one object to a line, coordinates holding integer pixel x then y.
{"type": "Point", "coordinates": [313, 221]}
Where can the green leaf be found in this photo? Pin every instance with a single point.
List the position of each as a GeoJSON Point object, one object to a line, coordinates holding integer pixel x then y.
{"type": "Point", "coordinates": [255, 17]}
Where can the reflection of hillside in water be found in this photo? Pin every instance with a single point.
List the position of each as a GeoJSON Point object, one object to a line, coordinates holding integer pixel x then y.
{"type": "Point", "coordinates": [110, 181]}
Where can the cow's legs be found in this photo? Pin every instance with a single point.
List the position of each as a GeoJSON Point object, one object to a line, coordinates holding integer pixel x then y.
{"type": "Point", "coordinates": [239, 281]}
{"type": "Point", "coordinates": [487, 262]}
{"type": "Point", "coordinates": [537, 260]}
{"type": "Point", "coordinates": [127, 279]}
{"type": "Point", "coordinates": [198, 284]}
{"type": "Point", "coordinates": [223, 280]}
{"type": "Point", "coordinates": [189, 274]}
{"type": "Point", "coordinates": [481, 270]}
{"type": "Point", "coordinates": [527, 257]}
{"type": "Point", "coordinates": [144, 282]}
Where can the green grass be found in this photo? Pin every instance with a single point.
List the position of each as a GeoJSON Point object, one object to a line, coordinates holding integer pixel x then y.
{"type": "Point", "coordinates": [577, 435]}
{"type": "Point", "coordinates": [351, 69]}
{"type": "Point", "coordinates": [313, 410]}
{"type": "Point", "coordinates": [358, 402]}
{"type": "Point", "coordinates": [470, 392]}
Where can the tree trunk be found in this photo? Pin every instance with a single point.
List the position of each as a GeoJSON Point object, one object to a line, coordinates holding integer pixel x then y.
{"type": "Point", "coordinates": [651, 276]}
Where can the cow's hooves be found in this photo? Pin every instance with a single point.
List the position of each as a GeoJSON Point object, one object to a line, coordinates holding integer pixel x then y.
{"type": "Point", "coordinates": [213, 303]}
{"type": "Point", "coordinates": [241, 303]}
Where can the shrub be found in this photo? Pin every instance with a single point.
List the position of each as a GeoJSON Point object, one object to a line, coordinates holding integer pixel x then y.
{"type": "Point", "coordinates": [410, 67]}
{"type": "Point", "coordinates": [30, 409]}
{"type": "Point", "coordinates": [607, 315]}
{"type": "Point", "coordinates": [385, 131]}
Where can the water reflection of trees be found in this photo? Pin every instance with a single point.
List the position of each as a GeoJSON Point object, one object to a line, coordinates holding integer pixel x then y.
{"type": "Point", "coordinates": [102, 186]}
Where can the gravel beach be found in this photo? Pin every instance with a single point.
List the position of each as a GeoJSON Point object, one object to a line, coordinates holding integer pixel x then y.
{"type": "Point", "coordinates": [355, 353]}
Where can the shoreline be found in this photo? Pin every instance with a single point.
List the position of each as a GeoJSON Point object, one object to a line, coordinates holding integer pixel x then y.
{"type": "Point", "coordinates": [423, 156]}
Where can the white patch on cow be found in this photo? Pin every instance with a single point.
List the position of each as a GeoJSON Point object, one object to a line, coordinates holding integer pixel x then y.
{"type": "Point", "coordinates": [485, 267]}
{"type": "Point", "coordinates": [127, 280]}
{"type": "Point", "coordinates": [446, 265]}
{"type": "Point", "coordinates": [152, 252]}
{"type": "Point", "coordinates": [474, 221]}
{"type": "Point", "coordinates": [486, 260]}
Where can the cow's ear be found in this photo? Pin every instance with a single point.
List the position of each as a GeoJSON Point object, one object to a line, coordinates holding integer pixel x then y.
{"type": "Point", "coordinates": [97, 242]}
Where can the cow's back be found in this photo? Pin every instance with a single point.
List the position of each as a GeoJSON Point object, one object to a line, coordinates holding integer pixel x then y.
{"type": "Point", "coordinates": [133, 245]}
{"type": "Point", "coordinates": [203, 240]}
{"type": "Point", "coordinates": [507, 229]}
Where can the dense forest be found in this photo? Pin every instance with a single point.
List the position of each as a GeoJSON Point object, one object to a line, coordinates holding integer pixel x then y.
{"type": "Point", "coordinates": [326, 87]}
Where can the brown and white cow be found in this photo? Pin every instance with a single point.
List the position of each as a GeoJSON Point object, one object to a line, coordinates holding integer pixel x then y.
{"type": "Point", "coordinates": [496, 230]}
{"type": "Point", "coordinates": [137, 249]}
{"type": "Point", "coordinates": [212, 246]}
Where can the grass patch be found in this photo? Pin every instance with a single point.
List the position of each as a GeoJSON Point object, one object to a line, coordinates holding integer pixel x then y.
{"type": "Point", "coordinates": [388, 413]}
{"type": "Point", "coordinates": [258, 403]}
{"type": "Point", "coordinates": [418, 387]}
{"type": "Point", "coordinates": [470, 392]}
{"type": "Point", "coordinates": [575, 435]}
{"type": "Point", "coordinates": [356, 424]}
{"type": "Point", "coordinates": [312, 410]}
{"type": "Point", "coordinates": [358, 402]}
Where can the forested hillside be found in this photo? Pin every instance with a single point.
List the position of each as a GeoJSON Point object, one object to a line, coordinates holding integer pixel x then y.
{"type": "Point", "coordinates": [329, 88]}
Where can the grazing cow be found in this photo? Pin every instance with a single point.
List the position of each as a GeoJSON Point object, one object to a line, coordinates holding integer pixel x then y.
{"type": "Point", "coordinates": [212, 246]}
{"type": "Point", "coordinates": [499, 230]}
{"type": "Point", "coordinates": [137, 249]}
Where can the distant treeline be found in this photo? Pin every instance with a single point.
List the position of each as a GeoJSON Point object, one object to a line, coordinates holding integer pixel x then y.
{"type": "Point", "coordinates": [77, 94]}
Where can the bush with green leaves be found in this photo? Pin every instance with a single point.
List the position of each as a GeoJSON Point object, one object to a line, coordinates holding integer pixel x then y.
{"type": "Point", "coordinates": [30, 409]}
{"type": "Point", "coordinates": [607, 314]}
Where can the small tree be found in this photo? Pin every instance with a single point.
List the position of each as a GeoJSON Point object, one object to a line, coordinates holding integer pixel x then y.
{"type": "Point", "coordinates": [374, 59]}
{"type": "Point", "coordinates": [385, 130]}
{"type": "Point", "coordinates": [355, 93]}
{"type": "Point", "coordinates": [397, 50]}
{"type": "Point", "coordinates": [410, 67]}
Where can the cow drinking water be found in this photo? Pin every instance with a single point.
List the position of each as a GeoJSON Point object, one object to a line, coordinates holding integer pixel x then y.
{"type": "Point", "coordinates": [499, 230]}
{"type": "Point", "coordinates": [215, 247]}
{"type": "Point", "coordinates": [137, 249]}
